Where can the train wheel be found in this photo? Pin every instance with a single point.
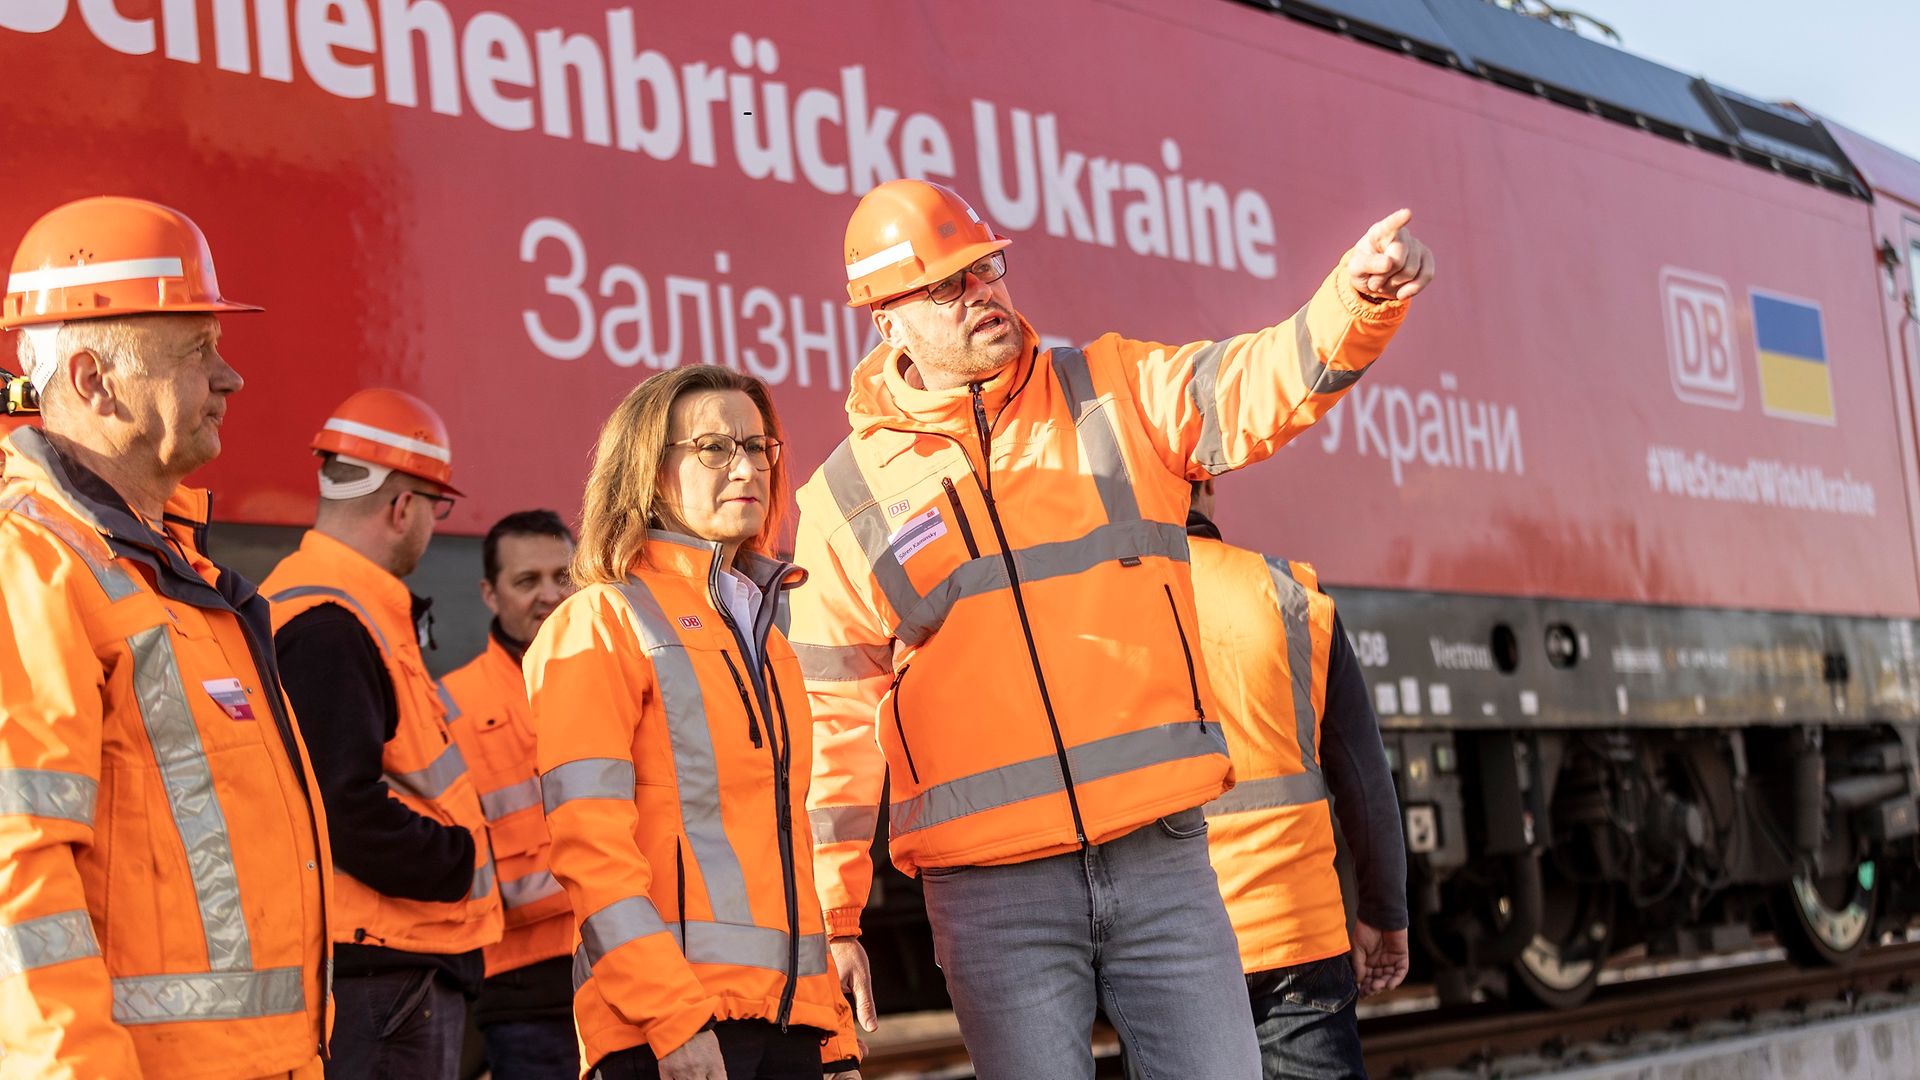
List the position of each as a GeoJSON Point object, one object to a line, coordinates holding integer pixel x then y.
{"type": "Point", "coordinates": [1560, 968]}
{"type": "Point", "coordinates": [1825, 921]}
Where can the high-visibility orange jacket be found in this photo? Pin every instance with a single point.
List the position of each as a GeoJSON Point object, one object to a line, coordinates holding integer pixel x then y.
{"type": "Point", "coordinates": [422, 765]}
{"type": "Point", "coordinates": [493, 724]}
{"type": "Point", "coordinates": [163, 855]}
{"type": "Point", "coordinates": [1266, 631]}
{"type": "Point", "coordinates": [675, 774]}
{"type": "Point", "coordinates": [999, 586]}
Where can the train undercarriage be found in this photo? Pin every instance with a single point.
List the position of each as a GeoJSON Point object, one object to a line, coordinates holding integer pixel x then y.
{"type": "Point", "coordinates": [1584, 781]}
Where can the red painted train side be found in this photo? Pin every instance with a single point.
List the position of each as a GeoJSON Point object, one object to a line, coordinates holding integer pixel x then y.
{"type": "Point", "coordinates": [1579, 410]}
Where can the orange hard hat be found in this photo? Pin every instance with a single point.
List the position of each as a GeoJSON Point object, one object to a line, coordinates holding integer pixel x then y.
{"type": "Point", "coordinates": [390, 430]}
{"type": "Point", "coordinates": [909, 234]}
{"type": "Point", "coordinates": [111, 255]}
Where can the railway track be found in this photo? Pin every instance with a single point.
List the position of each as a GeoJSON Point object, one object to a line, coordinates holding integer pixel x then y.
{"type": "Point", "coordinates": [1625, 1017]}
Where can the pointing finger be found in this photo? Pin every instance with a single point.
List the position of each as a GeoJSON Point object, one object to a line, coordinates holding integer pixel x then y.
{"type": "Point", "coordinates": [1386, 227]}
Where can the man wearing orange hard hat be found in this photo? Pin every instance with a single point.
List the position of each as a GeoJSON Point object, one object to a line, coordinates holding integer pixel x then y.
{"type": "Point", "coordinates": [163, 857]}
{"type": "Point", "coordinates": [416, 898]}
{"type": "Point", "coordinates": [999, 622]}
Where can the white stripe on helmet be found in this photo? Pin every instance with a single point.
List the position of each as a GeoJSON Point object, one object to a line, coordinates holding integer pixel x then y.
{"type": "Point", "coordinates": [100, 273]}
{"type": "Point", "coordinates": [388, 438]}
{"type": "Point", "coordinates": [899, 252]}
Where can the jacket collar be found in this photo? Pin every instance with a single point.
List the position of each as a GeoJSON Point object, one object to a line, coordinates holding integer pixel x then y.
{"type": "Point", "coordinates": [369, 582]}
{"type": "Point", "coordinates": [699, 560]}
{"type": "Point", "coordinates": [31, 456]}
{"type": "Point", "coordinates": [881, 397]}
{"type": "Point", "coordinates": [690, 556]}
{"type": "Point", "coordinates": [510, 650]}
{"type": "Point", "coordinates": [1199, 524]}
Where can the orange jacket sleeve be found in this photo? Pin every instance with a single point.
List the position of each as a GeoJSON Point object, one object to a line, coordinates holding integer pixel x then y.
{"type": "Point", "coordinates": [590, 687]}
{"type": "Point", "coordinates": [1213, 406]}
{"type": "Point", "coordinates": [847, 660]}
{"type": "Point", "coordinates": [56, 1004]}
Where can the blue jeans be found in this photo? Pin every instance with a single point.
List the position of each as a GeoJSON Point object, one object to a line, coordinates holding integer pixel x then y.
{"type": "Point", "coordinates": [406, 1024]}
{"type": "Point", "coordinates": [1306, 1020]}
{"type": "Point", "coordinates": [532, 1050]}
{"type": "Point", "coordinates": [1134, 926]}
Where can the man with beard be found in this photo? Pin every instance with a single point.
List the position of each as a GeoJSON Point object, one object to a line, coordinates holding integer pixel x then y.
{"type": "Point", "coordinates": [999, 624]}
{"type": "Point", "coordinates": [525, 1009]}
{"type": "Point", "coordinates": [415, 900]}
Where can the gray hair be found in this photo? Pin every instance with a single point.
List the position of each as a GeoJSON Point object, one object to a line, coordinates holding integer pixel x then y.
{"type": "Point", "coordinates": [110, 339]}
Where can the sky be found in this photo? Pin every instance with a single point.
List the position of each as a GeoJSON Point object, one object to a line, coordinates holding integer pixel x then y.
{"type": "Point", "coordinates": [1853, 61]}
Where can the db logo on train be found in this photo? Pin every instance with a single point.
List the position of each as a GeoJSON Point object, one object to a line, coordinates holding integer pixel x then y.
{"type": "Point", "coordinates": [1700, 338]}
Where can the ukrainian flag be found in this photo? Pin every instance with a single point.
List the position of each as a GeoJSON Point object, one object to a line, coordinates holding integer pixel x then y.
{"type": "Point", "coordinates": [1794, 381]}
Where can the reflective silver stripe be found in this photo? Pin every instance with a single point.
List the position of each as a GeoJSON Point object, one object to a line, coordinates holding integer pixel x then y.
{"type": "Point", "coordinates": [232, 995]}
{"type": "Point", "coordinates": [587, 778]}
{"type": "Point", "coordinates": [1320, 378]}
{"type": "Point", "coordinates": [696, 770]}
{"type": "Point", "coordinates": [835, 824]}
{"type": "Point", "coordinates": [48, 793]}
{"type": "Point", "coordinates": [1035, 777]}
{"type": "Point", "coordinates": [616, 924]}
{"type": "Point", "coordinates": [482, 879]}
{"type": "Point", "coordinates": [1293, 789]}
{"type": "Point", "coordinates": [1062, 558]}
{"type": "Point", "coordinates": [752, 946]}
{"type": "Point", "coordinates": [1294, 615]}
{"type": "Point", "coordinates": [45, 941]}
{"type": "Point", "coordinates": [432, 781]}
{"type": "Point", "coordinates": [1203, 390]}
{"type": "Point", "coordinates": [1099, 439]}
{"type": "Point", "coordinates": [341, 595]}
{"type": "Point", "coordinates": [843, 663]}
{"type": "Point", "coordinates": [446, 701]}
{"type": "Point", "coordinates": [730, 944]}
{"type": "Point", "coordinates": [525, 890]}
{"type": "Point", "coordinates": [512, 799]}
{"type": "Point", "coordinates": [190, 796]}
{"type": "Point", "coordinates": [93, 551]}
{"type": "Point", "coordinates": [864, 516]}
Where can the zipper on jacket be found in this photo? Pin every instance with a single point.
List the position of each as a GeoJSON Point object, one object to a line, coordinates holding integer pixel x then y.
{"type": "Point", "coordinates": [361, 937]}
{"type": "Point", "coordinates": [985, 431]}
{"type": "Point", "coordinates": [783, 806]}
{"type": "Point", "coordinates": [899, 725]}
{"type": "Point", "coordinates": [1193, 677]}
{"type": "Point", "coordinates": [753, 723]}
{"type": "Point", "coordinates": [680, 890]}
{"type": "Point", "coordinates": [780, 748]}
{"type": "Point", "coordinates": [960, 516]}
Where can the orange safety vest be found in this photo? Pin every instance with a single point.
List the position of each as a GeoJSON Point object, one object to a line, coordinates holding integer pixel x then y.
{"type": "Point", "coordinates": [494, 726]}
{"type": "Point", "coordinates": [1266, 631]}
{"type": "Point", "coordinates": [1000, 591]}
{"type": "Point", "coordinates": [164, 900]}
{"type": "Point", "coordinates": [675, 772]}
{"type": "Point", "coordinates": [423, 767]}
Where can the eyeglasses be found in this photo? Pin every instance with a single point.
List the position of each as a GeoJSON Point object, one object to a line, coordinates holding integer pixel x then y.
{"type": "Point", "coordinates": [988, 270]}
{"type": "Point", "coordinates": [717, 451]}
{"type": "Point", "coordinates": [442, 504]}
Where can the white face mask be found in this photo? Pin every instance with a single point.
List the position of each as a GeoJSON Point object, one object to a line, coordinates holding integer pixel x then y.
{"type": "Point", "coordinates": [46, 357]}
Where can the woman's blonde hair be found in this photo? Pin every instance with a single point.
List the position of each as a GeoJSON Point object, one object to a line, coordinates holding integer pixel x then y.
{"type": "Point", "coordinates": [623, 489]}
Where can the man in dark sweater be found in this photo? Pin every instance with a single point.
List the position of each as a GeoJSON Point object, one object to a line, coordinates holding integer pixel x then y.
{"type": "Point", "coordinates": [414, 888]}
{"type": "Point", "coordinates": [1303, 735]}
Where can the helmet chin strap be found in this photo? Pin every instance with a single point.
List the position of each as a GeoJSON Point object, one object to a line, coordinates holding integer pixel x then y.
{"type": "Point", "coordinates": [353, 489]}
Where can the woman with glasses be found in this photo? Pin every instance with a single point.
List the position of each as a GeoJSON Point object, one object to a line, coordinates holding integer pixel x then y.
{"type": "Point", "coordinates": [675, 750]}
